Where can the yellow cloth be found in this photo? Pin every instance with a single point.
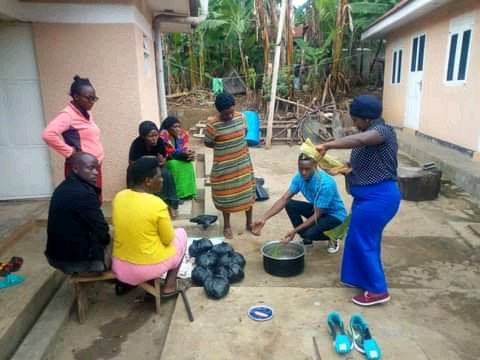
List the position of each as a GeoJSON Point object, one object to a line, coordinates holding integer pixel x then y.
{"type": "Point", "coordinates": [325, 162]}
{"type": "Point", "coordinates": [143, 231]}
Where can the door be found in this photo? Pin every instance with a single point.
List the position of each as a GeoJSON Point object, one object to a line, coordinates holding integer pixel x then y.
{"type": "Point", "coordinates": [415, 82]}
{"type": "Point", "coordinates": [24, 157]}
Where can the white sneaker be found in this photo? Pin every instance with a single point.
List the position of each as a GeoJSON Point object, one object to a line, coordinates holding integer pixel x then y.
{"type": "Point", "coordinates": [333, 246]}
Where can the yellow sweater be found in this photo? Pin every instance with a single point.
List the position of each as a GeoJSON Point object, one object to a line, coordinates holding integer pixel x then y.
{"type": "Point", "coordinates": [143, 231]}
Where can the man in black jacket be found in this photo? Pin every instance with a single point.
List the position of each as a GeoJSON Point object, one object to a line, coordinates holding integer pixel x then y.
{"type": "Point", "coordinates": [77, 232]}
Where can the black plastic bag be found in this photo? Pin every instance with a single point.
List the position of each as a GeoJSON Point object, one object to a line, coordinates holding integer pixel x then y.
{"type": "Point", "coordinates": [200, 274]}
{"type": "Point", "coordinates": [225, 260]}
{"type": "Point", "coordinates": [261, 193]}
{"type": "Point", "coordinates": [216, 287]}
{"type": "Point", "coordinates": [238, 258]}
{"type": "Point", "coordinates": [199, 246]}
{"type": "Point", "coordinates": [235, 273]}
{"type": "Point", "coordinates": [222, 249]}
{"type": "Point", "coordinates": [221, 271]}
{"type": "Point", "coordinates": [208, 259]}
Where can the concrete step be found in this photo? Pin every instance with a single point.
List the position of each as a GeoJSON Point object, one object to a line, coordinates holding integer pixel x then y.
{"type": "Point", "coordinates": [21, 305]}
{"type": "Point", "coordinates": [36, 344]}
{"type": "Point", "coordinates": [17, 219]}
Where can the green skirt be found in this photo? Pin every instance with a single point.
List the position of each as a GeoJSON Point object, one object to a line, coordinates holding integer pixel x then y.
{"type": "Point", "coordinates": [183, 173]}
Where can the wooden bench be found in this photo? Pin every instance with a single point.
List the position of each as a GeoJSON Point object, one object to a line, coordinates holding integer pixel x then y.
{"type": "Point", "coordinates": [81, 282]}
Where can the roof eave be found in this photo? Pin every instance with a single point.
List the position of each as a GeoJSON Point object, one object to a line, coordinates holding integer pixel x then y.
{"type": "Point", "coordinates": [401, 17]}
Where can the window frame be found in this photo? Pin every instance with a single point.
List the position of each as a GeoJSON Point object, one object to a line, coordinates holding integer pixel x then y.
{"type": "Point", "coordinates": [415, 53]}
{"type": "Point", "coordinates": [458, 27]}
{"type": "Point", "coordinates": [397, 72]}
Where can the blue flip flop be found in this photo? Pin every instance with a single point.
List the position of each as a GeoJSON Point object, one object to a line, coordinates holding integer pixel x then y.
{"type": "Point", "coordinates": [336, 329]}
{"type": "Point", "coordinates": [362, 338]}
{"type": "Point", "coordinates": [11, 280]}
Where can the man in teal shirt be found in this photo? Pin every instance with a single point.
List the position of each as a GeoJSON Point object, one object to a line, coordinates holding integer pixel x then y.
{"type": "Point", "coordinates": [323, 210]}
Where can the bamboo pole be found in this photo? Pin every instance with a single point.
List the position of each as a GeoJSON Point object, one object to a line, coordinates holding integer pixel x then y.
{"type": "Point", "coordinates": [276, 66]}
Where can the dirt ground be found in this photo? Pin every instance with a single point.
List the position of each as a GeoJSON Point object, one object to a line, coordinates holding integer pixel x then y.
{"type": "Point", "coordinates": [430, 256]}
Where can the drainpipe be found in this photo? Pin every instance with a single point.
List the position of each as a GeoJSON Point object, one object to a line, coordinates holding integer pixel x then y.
{"type": "Point", "coordinates": [162, 96]}
{"type": "Point", "coordinates": [190, 20]}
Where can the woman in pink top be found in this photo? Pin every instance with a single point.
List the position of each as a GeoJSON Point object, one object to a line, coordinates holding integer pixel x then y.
{"type": "Point", "coordinates": [73, 129]}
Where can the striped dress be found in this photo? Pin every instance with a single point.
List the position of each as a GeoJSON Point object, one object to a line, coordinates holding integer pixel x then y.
{"type": "Point", "coordinates": [231, 178]}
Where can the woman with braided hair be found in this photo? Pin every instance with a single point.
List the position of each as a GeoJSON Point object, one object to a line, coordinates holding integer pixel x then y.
{"type": "Point", "coordinates": [233, 184]}
{"type": "Point", "coordinates": [74, 129]}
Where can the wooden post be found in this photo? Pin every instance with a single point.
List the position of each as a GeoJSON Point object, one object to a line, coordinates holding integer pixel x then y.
{"type": "Point", "coordinates": [276, 65]}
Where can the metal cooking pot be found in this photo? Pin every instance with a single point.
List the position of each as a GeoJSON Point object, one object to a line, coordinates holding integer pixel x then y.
{"type": "Point", "coordinates": [283, 259]}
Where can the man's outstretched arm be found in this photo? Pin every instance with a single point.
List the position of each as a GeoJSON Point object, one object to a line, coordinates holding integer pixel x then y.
{"type": "Point", "coordinates": [278, 206]}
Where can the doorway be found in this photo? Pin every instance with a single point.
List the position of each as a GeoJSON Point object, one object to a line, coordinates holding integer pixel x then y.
{"type": "Point", "coordinates": [24, 159]}
{"type": "Point", "coordinates": [415, 82]}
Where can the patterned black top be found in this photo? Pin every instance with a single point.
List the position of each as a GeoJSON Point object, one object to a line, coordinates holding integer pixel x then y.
{"type": "Point", "coordinates": [373, 164]}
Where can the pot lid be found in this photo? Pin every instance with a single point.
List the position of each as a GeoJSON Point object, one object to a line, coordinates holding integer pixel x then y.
{"type": "Point", "coordinates": [260, 312]}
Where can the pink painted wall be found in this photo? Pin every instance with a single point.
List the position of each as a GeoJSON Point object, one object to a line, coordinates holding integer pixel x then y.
{"type": "Point", "coordinates": [112, 57]}
{"type": "Point", "coordinates": [448, 111]}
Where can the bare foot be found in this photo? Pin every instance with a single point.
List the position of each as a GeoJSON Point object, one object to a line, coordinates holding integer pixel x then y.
{"type": "Point", "coordinates": [227, 232]}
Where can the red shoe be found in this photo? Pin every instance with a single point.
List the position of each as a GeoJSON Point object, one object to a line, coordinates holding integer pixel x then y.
{"type": "Point", "coordinates": [368, 299]}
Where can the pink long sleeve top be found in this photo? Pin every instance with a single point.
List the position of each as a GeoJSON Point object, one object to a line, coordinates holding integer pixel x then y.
{"type": "Point", "coordinates": [71, 131]}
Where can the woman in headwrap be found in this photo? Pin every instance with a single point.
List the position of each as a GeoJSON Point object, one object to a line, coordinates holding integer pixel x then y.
{"type": "Point", "coordinates": [373, 184]}
{"type": "Point", "coordinates": [231, 178]}
{"type": "Point", "coordinates": [179, 157]}
{"type": "Point", "coordinates": [148, 143]}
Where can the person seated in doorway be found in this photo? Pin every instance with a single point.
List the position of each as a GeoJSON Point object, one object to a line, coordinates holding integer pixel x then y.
{"type": "Point", "coordinates": [146, 245]}
{"type": "Point", "coordinates": [77, 233]}
{"type": "Point", "coordinates": [179, 157]}
{"type": "Point", "coordinates": [323, 210]}
{"type": "Point", "coordinates": [148, 143]}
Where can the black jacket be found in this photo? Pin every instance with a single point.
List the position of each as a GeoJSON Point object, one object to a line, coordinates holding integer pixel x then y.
{"type": "Point", "coordinates": [76, 230]}
{"type": "Point", "coordinates": [138, 148]}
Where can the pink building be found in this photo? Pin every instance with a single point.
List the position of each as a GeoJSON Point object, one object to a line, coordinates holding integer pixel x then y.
{"type": "Point", "coordinates": [432, 69]}
{"type": "Point", "coordinates": [43, 44]}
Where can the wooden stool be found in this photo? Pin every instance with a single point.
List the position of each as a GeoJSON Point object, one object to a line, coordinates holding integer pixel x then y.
{"type": "Point", "coordinates": [81, 282]}
{"type": "Point", "coordinates": [200, 127]}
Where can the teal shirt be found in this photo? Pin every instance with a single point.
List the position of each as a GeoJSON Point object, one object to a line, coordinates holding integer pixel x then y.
{"type": "Point", "coordinates": [320, 191]}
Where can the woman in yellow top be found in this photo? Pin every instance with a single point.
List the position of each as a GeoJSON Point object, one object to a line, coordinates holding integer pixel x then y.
{"type": "Point", "coordinates": [145, 243]}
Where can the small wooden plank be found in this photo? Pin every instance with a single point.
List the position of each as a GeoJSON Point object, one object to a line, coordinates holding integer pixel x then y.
{"type": "Point", "coordinates": [107, 275]}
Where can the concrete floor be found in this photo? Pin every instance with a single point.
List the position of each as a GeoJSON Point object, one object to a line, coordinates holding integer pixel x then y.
{"type": "Point", "coordinates": [431, 257]}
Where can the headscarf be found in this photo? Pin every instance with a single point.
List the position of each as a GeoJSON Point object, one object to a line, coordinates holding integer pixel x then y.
{"type": "Point", "coordinates": [224, 101]}
{"type": "Point", "coordinates": [169, 122]}
{"type": "Point", "coordinates": [366, 107]}
{"type": "Point", "coordinates": [145, 127]}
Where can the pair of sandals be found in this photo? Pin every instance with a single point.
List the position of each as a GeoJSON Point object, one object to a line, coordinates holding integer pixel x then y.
{"type": "Point", "coordinates": [6, 269]}
{"type": "Point", "coordinates": [358, 336]}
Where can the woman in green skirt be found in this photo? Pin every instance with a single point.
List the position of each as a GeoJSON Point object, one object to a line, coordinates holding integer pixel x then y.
{"type": "Point", "coordinates": [179, 157]}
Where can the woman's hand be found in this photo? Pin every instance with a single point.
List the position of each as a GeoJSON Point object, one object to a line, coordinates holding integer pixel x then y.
{"type": "Point", "coordinates": [161, 160]}
{"type": "Point", "coordinates": [322, 150]}
{"type": "Point", "coordinates": [288, 236]}
{"type": "Point", "coordinates": [190, 155]}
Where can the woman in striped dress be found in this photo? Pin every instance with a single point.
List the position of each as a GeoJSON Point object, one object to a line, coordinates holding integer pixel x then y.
{"type": "Point", "coordinates": [231, 177]}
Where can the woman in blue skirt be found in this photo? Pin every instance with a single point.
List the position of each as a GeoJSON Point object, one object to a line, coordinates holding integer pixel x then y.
{"type": "Point", "coordinates": [372, 181]}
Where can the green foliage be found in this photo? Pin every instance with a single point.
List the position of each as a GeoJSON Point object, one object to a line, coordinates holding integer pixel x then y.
{"type": "Point", "coordinates": [282, 83]}
{"type": "Point", "coordinates": [229, 39]}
